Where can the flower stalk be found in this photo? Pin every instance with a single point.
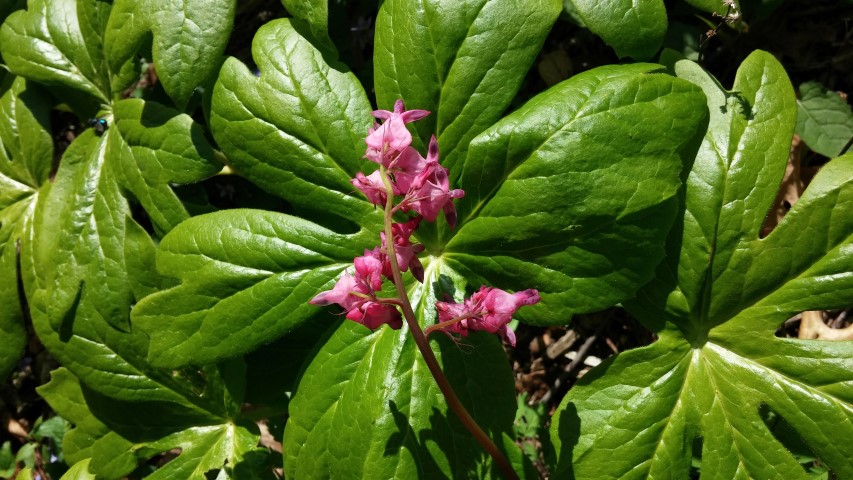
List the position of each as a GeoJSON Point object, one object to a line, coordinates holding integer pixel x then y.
{"type": "Point", "coordinates": [429, 357]}
{"type": "Point", "coordinates": [422, 186]}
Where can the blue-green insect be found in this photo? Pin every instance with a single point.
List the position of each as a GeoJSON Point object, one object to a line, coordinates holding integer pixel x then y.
{"type": "Point", "coordinates": [100, 125]}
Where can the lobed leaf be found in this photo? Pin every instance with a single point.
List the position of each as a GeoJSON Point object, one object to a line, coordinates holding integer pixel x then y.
{"type": "Point", "coordinates": [189, 37]}
{"type": "Point", "coordinates": [247, 276]}
{"type": "Point", "coordinates": [59, 43]}
{"type": "Point", "coordinates": [218, 446]}
{"type": "Point", "coordinates": [316, 15]}
{"type": "Point", "coordinates": [90, 438]}
{"type": "Point", "coordinates": [88, 263]}
{"type": "Point", "coordinates": [571, 195]}
{"type": "Point", "coordinates": [716, 301]}
{"type": "Point", "coordinates": [26, 153]}
{"type": "Point", "coordinates": [464, 61]}
{"type": "Point", "coordinates": [90, 236]}
{"type": "Point", "coordinates": [298, 129]}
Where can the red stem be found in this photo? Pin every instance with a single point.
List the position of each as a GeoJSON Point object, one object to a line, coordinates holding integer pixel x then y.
{"type": "Point", "coordinates": [427, 353]}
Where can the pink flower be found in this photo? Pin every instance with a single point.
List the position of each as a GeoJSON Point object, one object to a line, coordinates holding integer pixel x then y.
{"type": "Point", "coordinates": [357, 295]}
{"type": "Point", "coordinates": [404, 250]}
{"type": "Point", "coordinates": [430, 190]}
{"type": "Point", "coordinates": [386, 141]}
{"type": "Point", "coordinates": [489, 309]}
{"type": "Point", "coordinates": [369, 268]}
{"type": "Point", "coordinates": [372, 186]}
{"type": "Point", "coordinates": [405, 169]}
{"type": "Point", "coordinates": [372, 315]}
{"type": "Point", "coordinates": [347, 292]}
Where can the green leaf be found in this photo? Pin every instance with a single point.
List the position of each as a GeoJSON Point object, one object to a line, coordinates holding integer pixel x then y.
{"type": "Point", "coordinates": [215, 446]}
{"type": "Point", "coordinates": [26, 474]}
{"type": "Point", "coordinates": [463, 60]}
{"type": "Point", "coordinates": [203, 449]}
{"type": "Point", "coordinates": [90, 438]}
{"type": "Point", "coordinates": [246, 275]}
{"type": "Point", "coordinates": [79, 471]}
{"type": "Point", "coordinates": [189, 37]}
{"type": "Point", "coordinates": [633, 29]}
{"type": "Point", "coordinates": [572, 195]}
{"type": "Point", "coordinates": [93, 240]}
{"type": "Point", "coordinates": [88, 263]}
{"type": "Point", "coordinates": [367, 407]}
{"type": "Point", "coordinates": [7, 459]}
{"type": "Point", "coordinates": [59, 43]}
{"type": "Point", "coordinates": [26, 153]}
{"type": "Point", "coordinates": [716, 302]}
{"type": "Point", "coordinates": [298, 130]}
{"type": "Point", "coordinates": [824, 119]}
{"type": "Point", "coordinates": [316, 14]}
{"type": "Point", "coordinates": [152, 147]}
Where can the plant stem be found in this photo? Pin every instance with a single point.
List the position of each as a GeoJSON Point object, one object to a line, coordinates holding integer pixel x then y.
{"type": "Point", "coordinates": [423, 345]}
{"type": "Point", "coordinates": [439, 326]}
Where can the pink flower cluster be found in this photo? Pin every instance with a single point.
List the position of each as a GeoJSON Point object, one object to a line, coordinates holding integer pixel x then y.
{"type": "Point", "coordinates": [489, 309]}
{"type": "Point", "coordinates": [425, 189]}
{"type": "Point", "coordinates": [422, 182]}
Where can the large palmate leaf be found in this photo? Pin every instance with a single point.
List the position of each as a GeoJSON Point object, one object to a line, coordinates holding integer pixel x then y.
{"type": "Point", "coordinates": [186, 33]}
{"type": "Point", "coordinates": [716, 302]}
{"type": "Point", "coordinates": [299, 139]}
{"type": "Point", "coordinates": [93, 258]}
{"type": "Point", "coordinates": [26, 153]}
{"type": "Point", "coordinates": [571, 195]}
{"type": "Point", "coordinates": [105, 261]}
{"type": "Point", "coordinates": [204, 448]}
{"type": "Point", "coordinates": [92, 239]}
{"type": "Point", "coordinates": [99, 261]}
{"type": "Point", "coordinates": [297, 130]}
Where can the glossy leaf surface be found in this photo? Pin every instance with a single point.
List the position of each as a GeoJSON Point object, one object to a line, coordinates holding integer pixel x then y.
{"type": "Point", "coordinates": [247, 276]}
{"type": "Point", "coordinates": [26, 153]}
{"type": "Point", "coordinates": [316, 15]}
{"type": "Point", "coordinates": [59, 43]}
{"type": "Point", "coordinates": [189, 37]}
{"type": "Point", "coordinates": [572, 196]}
{"type": "Point", "coordinates": [633, 29]}
{"type": "Point", "coordinates": [297, 130]}
{"type": "Point", "coordinates": [716, 302]}
{"type": "Point", "coordinates": [463, 61]}
{"type": "Point", "coordinates": [218, 446]}
{"type": "Point", "coordinates": [90, 438]}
